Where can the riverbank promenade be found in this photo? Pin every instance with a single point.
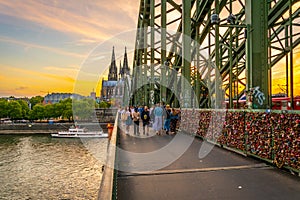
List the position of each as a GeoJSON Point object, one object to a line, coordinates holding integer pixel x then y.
{"type": "Point", "coordinates": [221, 174]}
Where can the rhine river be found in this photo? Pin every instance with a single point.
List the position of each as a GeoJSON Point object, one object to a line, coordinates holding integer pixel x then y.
{"type": "Point", "coordinates": [41, 167]}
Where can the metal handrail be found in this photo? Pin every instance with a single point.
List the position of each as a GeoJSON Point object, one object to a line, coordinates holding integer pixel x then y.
{"type": "Point", "coordinates": [107, 187]}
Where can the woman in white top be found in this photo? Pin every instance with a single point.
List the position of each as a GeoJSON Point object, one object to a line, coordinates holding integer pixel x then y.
{"type": "Point", "coordinates": [128, 121]}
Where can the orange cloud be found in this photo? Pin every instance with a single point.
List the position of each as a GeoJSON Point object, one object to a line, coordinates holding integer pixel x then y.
{"type": "Point", "coordinates": [92, 20]}
{"type": "Point", "coordinates": [85, 22]}
{"type": "Point", "coordinates": [30, 45]}
{"type": "Point", "coordinates": [70, 71]}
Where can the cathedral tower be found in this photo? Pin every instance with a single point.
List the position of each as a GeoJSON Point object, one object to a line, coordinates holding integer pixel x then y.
{"type": "Point", "coordinates": [113, 71]}
{"type": "Point", "coordinates": [126, 69]}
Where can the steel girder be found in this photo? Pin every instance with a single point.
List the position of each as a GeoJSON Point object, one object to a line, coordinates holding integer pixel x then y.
{"type": "Point", "coordinates": [156, 57]}
{"type": "Point", "coordinates": [284, 37]}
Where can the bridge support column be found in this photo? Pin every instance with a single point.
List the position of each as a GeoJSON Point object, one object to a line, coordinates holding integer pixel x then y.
{"type": "Point", "coordinates": [152, 42]}
{"type": "Point", "coordinates": [257, 52]}
{"type": "Point", "coordinates": [186, 55]}
{"type": "Point", "coordinates": [163, 59]}
{"type": "Point", "coordinates": [145, 67]}
{"type": "Point", "coordinates": [197, 73]}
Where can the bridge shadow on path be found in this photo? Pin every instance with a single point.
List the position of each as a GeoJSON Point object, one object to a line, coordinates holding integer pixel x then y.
{"type": "Point", "coordinates": [168, 167]}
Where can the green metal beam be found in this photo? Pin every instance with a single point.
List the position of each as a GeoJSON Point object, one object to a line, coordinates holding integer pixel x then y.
{"type": "Point", "coordinates": [291, 55]}
{"type": "Point", "coordinates": [163, 92]}
{"type": "Point", "coordinates": [197, 74]}
{"type": "Point", "coordinates": [186, 54]}
{"type": "Point", "coordinates": [257, 54]}
{"type": "Point", "coordinates": [278, 10]}
{"type": "Point", "coordinates": [145, 66]}
{"type": "Point", "coordinates": [152, 56]}
{"type": "Point", "coordinates": [250, 54]}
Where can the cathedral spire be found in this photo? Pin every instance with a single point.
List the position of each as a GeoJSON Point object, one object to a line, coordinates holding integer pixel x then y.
{"type": "Point", "coordinates": [120, 71]}
{"type": "Point", "coordinates": [113, 71]}
{"type": "Point", "coordinates": [126, 69]}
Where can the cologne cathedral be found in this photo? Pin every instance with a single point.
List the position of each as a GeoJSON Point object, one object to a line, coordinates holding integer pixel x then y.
{"type": "Point", "coordinates": [111, 87]}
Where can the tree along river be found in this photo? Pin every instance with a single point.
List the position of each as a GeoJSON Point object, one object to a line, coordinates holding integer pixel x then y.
{"type": "Point", "coordinates": [41, 167]}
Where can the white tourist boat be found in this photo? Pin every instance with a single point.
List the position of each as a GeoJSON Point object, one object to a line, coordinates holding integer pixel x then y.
{"type": "Point", "coordinates": [80, 133]}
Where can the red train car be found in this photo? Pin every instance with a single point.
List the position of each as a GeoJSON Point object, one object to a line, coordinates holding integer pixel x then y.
{"type": "Point", "coordinates": [284, 103]}
{"type": "Point", "coordinates": [278, 103]}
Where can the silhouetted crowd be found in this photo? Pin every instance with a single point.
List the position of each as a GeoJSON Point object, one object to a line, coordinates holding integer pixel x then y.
{"type": "Point", "coordinates": [161, 118]}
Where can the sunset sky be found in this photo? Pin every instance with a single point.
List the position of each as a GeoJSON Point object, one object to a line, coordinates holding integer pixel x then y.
{"type": "Point", "coordinates": [44, 43]}
{"type": "Point", "coordinates": [65, 45]}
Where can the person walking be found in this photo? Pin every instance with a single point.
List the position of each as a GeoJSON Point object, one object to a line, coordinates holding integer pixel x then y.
{"type": "Point", "coordinates": [146, 120]}
{"type": "Point", "coordinates": [140, 109]}
{"type": "Point", "coordinates": [120, 111]}
{"type": "Point", "coordinates": [128, 121]}
{"type": "Point", "coordinates": [122, 116]}
{"type": "Point", "coordinates": [174, 119]}
{"type": "Point", "coordinates": [167, 114]}
{"type": "Point", "coordinates": [158, 113]}
{"type": "Point", "coordinates": [151, 116]}
{"type": "Point", "coordinates": [136, 121]}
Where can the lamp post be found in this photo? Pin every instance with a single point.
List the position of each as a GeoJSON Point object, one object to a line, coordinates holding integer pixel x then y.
{"type": "Point", "coordinates": [232, 23]}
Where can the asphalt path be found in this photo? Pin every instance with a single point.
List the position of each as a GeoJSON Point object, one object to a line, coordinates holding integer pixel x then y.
{"type": "Point", "coordinates": [169, 167]}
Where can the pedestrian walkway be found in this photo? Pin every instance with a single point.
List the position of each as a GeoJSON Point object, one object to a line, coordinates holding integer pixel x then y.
{"type": "Point", "coordinates": [220, 175]}
{"type": "Point", "coordinates": [141, 134]}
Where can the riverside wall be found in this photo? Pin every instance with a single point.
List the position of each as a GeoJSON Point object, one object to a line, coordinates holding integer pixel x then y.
{"type": "Point", "coordinates": [103, 116]}
{"type": "Point", "coordinates": [39, 128]}
{"type": "Point", "coordinates": [33, 128]}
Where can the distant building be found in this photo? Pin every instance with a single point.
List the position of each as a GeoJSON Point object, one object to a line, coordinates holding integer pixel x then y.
{"type": "Point", "coordinates": [113, 70]}
{"type": "Point", "coordinates": [125, 70]}
{"type": "Point", "coordinates": [111, 87]}
{"type": "Point", "coordinates": [93, 95]}
{"type": "Point", "coordinates": [12, 98]}
{"type": "Point", "coordinates": [56, 97]}
{"type": "Point", "coordinates": [108, 89]}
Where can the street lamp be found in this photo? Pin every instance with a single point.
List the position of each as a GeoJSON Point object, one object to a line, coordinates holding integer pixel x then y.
{"type": "Point", "coordinates": [231, 19]}
{"type": "Point", "coordinates": [214, 19]}
{"type": "Point", "coordinates": [232, 23]}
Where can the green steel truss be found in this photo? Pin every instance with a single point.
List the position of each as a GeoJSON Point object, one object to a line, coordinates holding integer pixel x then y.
{"type": "Point", "coordinates": [173, 35]}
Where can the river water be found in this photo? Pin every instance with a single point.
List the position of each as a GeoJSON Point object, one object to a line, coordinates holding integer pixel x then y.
{"type": "Point", "coordinates": [41, 167]}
